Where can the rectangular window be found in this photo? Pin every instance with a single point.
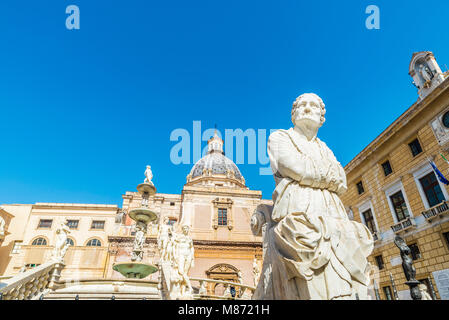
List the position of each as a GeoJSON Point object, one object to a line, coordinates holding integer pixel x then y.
{"type": "Point", "coordinates": [369, 220]}
{"type": "Point", "coordinates": [171, 221]}
{"type": "Point", "coordinates": [380, 262]}
{"type": "Point", "coordinates": [73, 224]}
{"type": "Point", "coordinates": [446, 237]}
{"type": "Point", "coordinates": [99, 225]}
{"type": "Point", "coordinates": [387, 168]}
{"type": "Point", "coordinates": [222, 217]}
{"type": "Point", "coordinates": [399, 206]}
{"type": "Point", "coordinates": [45, 223]}
{"type": "Point", "coordinates": [16, 247]}
{"type": "Point", "coordinates": [360, 187]}
{"type": "Point", "coordinates": [172, 204]}
{"type": "Point", "coordinates": [414, 250]}
{"type": "Point", "coordinates": [415, 147]}
{"type": "Point", "coordinates": [387, 293]}
{"type": "Point", "coordinates": [432, 189]}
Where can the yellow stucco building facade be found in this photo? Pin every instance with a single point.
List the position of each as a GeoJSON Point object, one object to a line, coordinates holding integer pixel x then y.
{"type": "Point", "coordinates": [393, 189]}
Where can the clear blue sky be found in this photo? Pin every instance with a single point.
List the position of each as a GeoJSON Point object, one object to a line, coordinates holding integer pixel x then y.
{"type": "Point", "coordinates": [83, 111]}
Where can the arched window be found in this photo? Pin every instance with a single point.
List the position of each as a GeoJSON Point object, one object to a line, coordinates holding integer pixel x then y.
{"type": "Point", "coordinates": [70, 242]}
{"type": "Point", "coordinates": [94, 243]}
{"type": "Point", "coordinates": [39, 242]}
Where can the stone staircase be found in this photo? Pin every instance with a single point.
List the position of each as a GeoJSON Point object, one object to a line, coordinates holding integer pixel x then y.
{"type": "Point", "coordinates": [32, 284]}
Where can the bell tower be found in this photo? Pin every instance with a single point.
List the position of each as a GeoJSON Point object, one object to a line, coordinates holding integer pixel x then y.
{"type": "Point", "coordinates": [426, 73]}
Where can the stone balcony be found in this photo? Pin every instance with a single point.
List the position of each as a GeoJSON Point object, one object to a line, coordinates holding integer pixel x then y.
{"type": "Point", "coordinates": [437, 211]}
{"type": "Point", "coordinates": [404, 225]}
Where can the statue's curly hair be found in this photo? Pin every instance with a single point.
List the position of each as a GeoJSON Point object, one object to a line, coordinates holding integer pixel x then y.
{"type": "Point", "coordinates": [320, 101]}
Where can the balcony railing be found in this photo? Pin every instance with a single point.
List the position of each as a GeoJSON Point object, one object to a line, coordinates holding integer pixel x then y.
{"type": "Point", "coordinates": [30, 285]}
{"type": "Point", "coordinates": [404, 225]}
{"type": "Point", "coordinates": [436, 211]}
{"type": "Point", "coordinates": [242, 292]}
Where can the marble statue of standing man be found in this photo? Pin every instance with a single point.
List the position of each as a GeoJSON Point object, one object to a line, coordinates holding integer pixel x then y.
{"type": "Point", "coordinates": [183, 255]}
{"type": "Point", "coordinates": [314, 251]}
{"type": "Point", "coordinates": [163, 239]}
{"type": "Point", "coordinates": [256, 272]}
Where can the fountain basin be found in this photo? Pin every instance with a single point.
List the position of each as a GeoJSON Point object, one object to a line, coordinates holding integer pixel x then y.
{"type": "Point", "coordinates": [143, 215]}
{"type": "Point", "coordinates": [147, 188]}
{"type": "Point", "coordinates": [135, 270]}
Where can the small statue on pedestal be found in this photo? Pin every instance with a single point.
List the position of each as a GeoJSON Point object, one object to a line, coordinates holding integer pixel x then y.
{"type": "Point", "coordinates": [139, 241]}
{"type": "Point", "coordinates": [409, 269]}
{"type": "Point", "coordinates": [148, 175]}
{"type": "Point", "coordinates": [61, 244]}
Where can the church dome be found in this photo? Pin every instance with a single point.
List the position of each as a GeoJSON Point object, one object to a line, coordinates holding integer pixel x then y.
{"type": "Point", "coordinates": [216, 162]}
{"type": "Point", "coordinates": [215, 169]}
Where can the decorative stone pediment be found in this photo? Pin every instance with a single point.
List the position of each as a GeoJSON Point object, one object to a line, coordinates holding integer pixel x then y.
{"type": "Point", "coordinates": [222, 271]}
{"type": "Point", "coordinates": [223, 202]}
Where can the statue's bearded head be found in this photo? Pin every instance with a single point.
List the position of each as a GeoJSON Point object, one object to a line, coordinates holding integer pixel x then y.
{"type": "Point", "coordinates": [308, 109]}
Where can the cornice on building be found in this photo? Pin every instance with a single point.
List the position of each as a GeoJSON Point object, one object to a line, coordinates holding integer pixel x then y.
{"type": "Point", "coordinates": [397, 125]}
{"type": "Point", "coordinates": [230, 244]}
{"type": "Point", "coordinates": [222, 192]}
{"type": "Point", "coordinates": [70, 206]}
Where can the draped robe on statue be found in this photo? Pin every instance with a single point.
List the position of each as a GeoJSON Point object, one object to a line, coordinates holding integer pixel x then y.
{"type": "Point", "coordinates": [313, 250]}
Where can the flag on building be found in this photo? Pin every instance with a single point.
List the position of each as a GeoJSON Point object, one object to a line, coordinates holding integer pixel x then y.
{"type": "Point", "coordinates": [444, 158]}
{"type": "Point", "coordinates": [438, 173]}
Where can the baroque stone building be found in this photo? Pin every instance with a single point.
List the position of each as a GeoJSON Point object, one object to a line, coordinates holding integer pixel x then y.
{"type": "Point", "coordinates": [393, 189]}
{"type": "Point", "coordinates": [214, 202]}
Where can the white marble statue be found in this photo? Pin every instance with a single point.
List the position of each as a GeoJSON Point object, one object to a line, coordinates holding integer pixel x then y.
{"type": "Point", "coordinates": [183, 259]}
{"type": "Point", "coordinates": [119, 216]}
{"type": "Point", "coordinates": [2, 226]}
{"type": "Point", "coordinates": [61, 244]}
{"type": "Point", "coordinates": [227, 292]}
{"type": "Point", "coordinates": [164, 239]}
{"type": "Point", "coordinates": [425, 73]}
{"type": "Point", "coordinates": [256, 272]}
{"type": "Point", "coordinates": [424, 293]}
{"type": "Point", "coordinates": [148, 175]}
{"type": "Point", "coordinates": [240, 277]}
{"type": "Point", "coordinates": [314, 251]}
{"type": "Point", "coordinates": [202, 291]}
{"type": "Point", "coordinates": [139, 242]}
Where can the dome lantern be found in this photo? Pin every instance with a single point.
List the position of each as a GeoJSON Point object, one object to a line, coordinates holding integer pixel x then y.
{"type": "Point", "coordinates": [215, 169]}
